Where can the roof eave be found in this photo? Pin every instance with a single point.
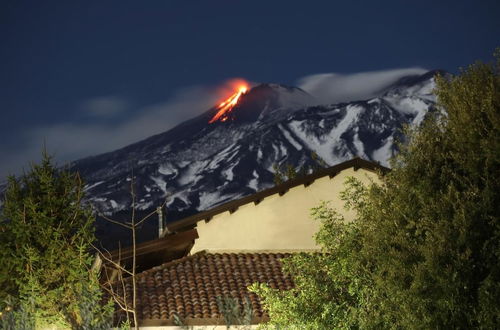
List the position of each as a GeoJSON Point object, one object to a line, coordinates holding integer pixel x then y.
{"type": "Point", "coordinates": [355, 163]}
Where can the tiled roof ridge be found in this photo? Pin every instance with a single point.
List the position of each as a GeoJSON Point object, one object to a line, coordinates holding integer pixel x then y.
{"type": "Point", "coordinates": [205, 253]}
{"type": "Point", "coordinates": [173, 262]}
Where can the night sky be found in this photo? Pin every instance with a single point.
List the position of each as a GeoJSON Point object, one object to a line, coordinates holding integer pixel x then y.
{"type": "Point", "coordinates": [86, 77]}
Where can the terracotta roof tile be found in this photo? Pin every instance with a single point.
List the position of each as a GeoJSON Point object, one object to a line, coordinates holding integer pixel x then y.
{"type": "Point", "coordinates": [189, 286]}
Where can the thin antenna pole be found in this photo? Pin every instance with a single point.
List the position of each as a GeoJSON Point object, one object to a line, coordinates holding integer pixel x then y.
{"type": "Point", "coordinates": [160, 220]}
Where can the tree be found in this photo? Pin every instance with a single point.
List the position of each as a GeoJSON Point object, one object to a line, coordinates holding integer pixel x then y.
{"type": "Point", "coordinates": [424, 249]}
{"type": "Point", "coordinates": [285, 172]}
{"type": "Point", "coordinates": [45, 249]}
{"type": "Point", "coordinates": [329, 286]}
{"type": "Point", "coordinates": [115, 287]}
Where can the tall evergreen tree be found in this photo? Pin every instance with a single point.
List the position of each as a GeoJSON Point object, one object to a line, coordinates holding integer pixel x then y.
{"type": "Point", "coordinates": [424, 250]}
{"type": "Point", "coordinates": [45, 248]}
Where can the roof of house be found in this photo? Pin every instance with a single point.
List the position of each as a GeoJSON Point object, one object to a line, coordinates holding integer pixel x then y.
{"type": "Point", "coordinates": [189, 287]}
{"type": "Point", "coordinates": [256, 198]}
{"type": "Point", "coordinates": [152, 253]}
{"type": "Point", "coordinates": [171, 243]}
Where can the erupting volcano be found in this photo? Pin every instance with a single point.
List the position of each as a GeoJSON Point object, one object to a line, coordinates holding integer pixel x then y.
{"type": "Point", "coordinates": [253, 126]}
{"type": "Point", "coordinates": [228, 105]}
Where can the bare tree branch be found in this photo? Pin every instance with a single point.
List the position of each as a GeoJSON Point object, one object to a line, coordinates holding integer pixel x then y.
{"type": "Point", "coordinates": [114, 221]}
{"type": "Point", "coordinates": [121, 300]}
{"type": "Point", "coordinates": [150, 214]}
{"type": "Point", "coordinates": [111, 261]}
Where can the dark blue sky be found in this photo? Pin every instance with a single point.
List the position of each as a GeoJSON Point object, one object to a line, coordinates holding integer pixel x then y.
{"type": "Point", "coordinates": [63, 62]}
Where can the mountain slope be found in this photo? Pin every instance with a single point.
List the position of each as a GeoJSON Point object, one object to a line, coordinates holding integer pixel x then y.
{"type": "Point", "coordinates": [197, 165]}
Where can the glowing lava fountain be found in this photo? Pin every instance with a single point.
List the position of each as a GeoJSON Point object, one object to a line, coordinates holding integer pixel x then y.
{"type": "Point", "coordinates": [228, 105]}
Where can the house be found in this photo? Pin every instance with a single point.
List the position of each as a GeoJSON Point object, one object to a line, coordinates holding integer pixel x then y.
{"type": "Point", "coordinates": [236, 244]}
{"type": "Point", "coordinates": [276, 219]}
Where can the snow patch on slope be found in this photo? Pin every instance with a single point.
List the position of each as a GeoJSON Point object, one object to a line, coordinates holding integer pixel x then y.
{"type": "Point", "coordinates": [384, 153]}
{"type": "Point", "coordinates": [228, 173]}
{"type": "Point", "coordinates": [144, 205]}
{"type": "Point", "coordinates": [289, 137]}
{"type": "Point", "coordinates": [90, 186]}
{"type": "Point", "coordinates": [209, 199]}
{"type": "Point", "coordinates": [360, 148]}
{"type": "Point", "coordinates": [182, 195]}
{"type": "Point", "coordinates": [325, 144]}
{"type": "Point", "coordinates": [413, 106]}
{"type": "Point", "coordinates": [167, 169]}
{"type": "Point", "coordinates": [160, 183]}
{"type": "Point", "coordinates": [190, 174]}
{"type": "Point", "coordinates": [254, 182]}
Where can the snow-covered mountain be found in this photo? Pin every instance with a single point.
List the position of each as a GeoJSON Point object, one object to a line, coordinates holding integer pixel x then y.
{"type": "Point", "coordinates": [198, 165]}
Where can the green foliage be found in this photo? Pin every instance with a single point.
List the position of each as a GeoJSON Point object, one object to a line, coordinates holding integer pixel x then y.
{"type": "Point", "coordinates": [424, 249]}
{"type": "Point", "coordinates": [233, 313]}
{"type": "Point", "coordinates": [328, 286]}
{"type": "Point", "coordinates": [125, 325]}
{"type": "Point", "coordinates": [22, 318]}
{"type": "Point", "coordinates": [179, 322]}
{"type": "Point", "coordinates": [433, 229]}
{"type": "Point", "coordinates": [287, 171]}
{"type": "Point", "coordinates": [45, 239]}
{"type": "Point", "coordinates": [94, 315]}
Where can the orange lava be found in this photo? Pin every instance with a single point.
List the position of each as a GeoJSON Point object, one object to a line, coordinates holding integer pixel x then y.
{"type": "Point", "coordinates": [227, 106]}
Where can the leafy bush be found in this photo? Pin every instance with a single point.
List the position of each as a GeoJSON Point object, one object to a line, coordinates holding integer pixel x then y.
{"type": "Point", "coordinates": [424, 249]}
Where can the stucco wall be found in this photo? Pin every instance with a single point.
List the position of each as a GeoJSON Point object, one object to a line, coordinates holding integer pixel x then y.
{"type": "Point", "coordinates": [278, 223]}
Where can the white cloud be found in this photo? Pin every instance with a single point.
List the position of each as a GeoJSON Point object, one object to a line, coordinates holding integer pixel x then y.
{"type": "Point", "coordinates": [105, 106]}
{"type": "Point", "coordinates": [336, 88]}
{"type": "Point", "coordinates": [72, 140]}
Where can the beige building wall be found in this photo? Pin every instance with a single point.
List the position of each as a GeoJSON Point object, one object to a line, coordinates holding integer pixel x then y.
{"type": "Point", "coordinates": [277, 223]}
